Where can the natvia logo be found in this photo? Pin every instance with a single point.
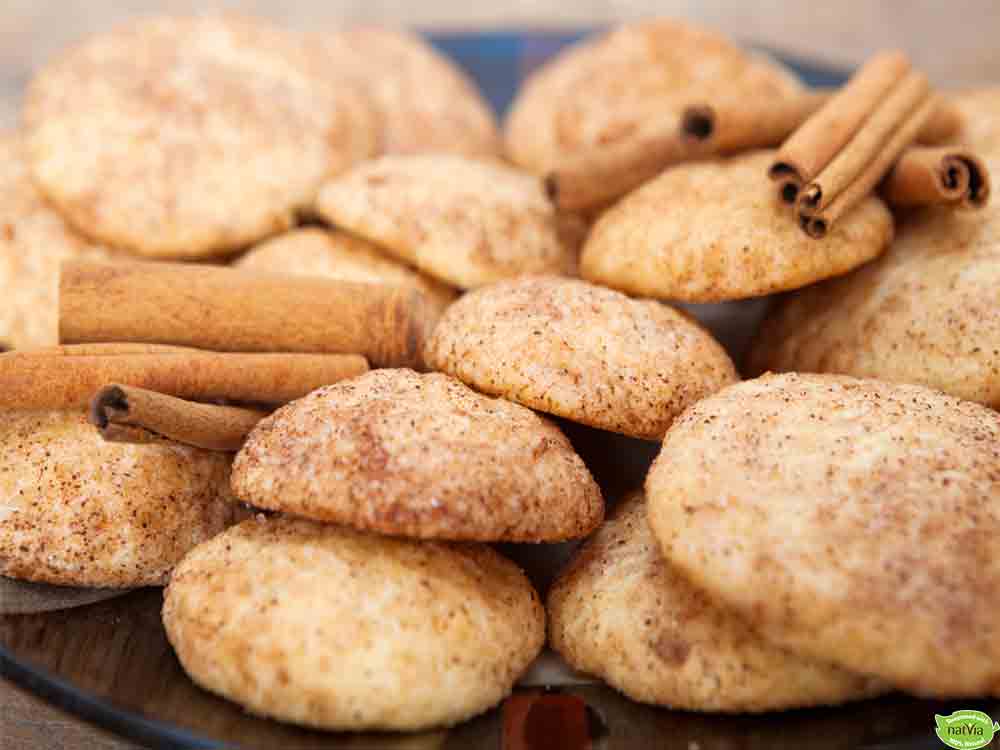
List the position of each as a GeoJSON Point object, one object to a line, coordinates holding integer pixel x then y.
{"type": "Point", "coordinates": [966, 730]}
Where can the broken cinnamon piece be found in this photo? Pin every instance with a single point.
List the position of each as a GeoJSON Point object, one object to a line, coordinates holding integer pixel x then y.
{"type": "Point", "coordinates": [947, 175]}
{"type": "Point", "coordinates": [225, 309]}
{"type": "Point", "coordinates": [125, 414]}
{"type": "Point", "coordinates": [67, 377]}
{"type": "Point", "coordinates": [818, 211]}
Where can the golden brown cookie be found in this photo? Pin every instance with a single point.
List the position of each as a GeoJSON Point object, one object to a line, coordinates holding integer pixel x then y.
{"type": "Point", "coordinates": [581, 352]}
{"type": "Point", "coordinates": [715, 231]}
{"type": "Point", "coordinates": [849, 521]}
{"type": "Point", "coordinates": [463, 221]}
{"type": "Point", "coordinates": [424, 101]}
{"type": "Point", "coordinates": [980, 110]}
{"type": "Point", "coordinates": [622, 612]}
{"type": "Point", "coordinates": [188, 137]}
{"type": "Point", "coordinates": [926, 312]}
{"type": "Point", "coordinates": [416, 455]}
{"type": "Point", "coordinates": [34, 240]}
{"type": "Point", "coordinates": [334, 254]}
{"type": "Point", "coordinates": [78, 511]}
{"type": "Point", "coordinates": [603, 89]}
{"type": "Point", "coordinates": [327, 627]}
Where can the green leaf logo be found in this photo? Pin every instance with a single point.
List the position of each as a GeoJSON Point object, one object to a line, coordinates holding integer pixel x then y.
{"type": "Point", "coordinates": [965, 729]}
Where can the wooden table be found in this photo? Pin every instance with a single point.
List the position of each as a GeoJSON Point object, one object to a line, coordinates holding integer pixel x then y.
{"type": "Point", "coordinates": [955, 44]}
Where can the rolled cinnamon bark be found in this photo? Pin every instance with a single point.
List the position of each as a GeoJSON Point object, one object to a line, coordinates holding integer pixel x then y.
{"type": "Point", "coordinates": [947, 175]}
{"type": "Point", "coordinates": [225, 309]}
{"type": "Point", "coordinates": [65, 378]}
{"type": "Point", "coordinates": [601, 175]}
{"type": "Point", "coordinates": [826, 199]}
{"type": "Point", "coordinates": [733, 125]}
{"type": "Point", "coordinates": [810, 148]}
{"type": "Point", "coordinates": [129, 415]}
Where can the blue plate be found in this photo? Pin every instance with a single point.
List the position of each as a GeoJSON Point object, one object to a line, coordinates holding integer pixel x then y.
{"type": "Point", "coordinates": [110, 662]}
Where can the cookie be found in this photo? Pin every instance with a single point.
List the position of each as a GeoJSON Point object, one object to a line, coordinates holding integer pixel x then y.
{"type": "Point", "coordinates": [463, 221]}
{"type": "Point", "coordinates": [416, 455]}
{"type": "Point", "coordinates": [327, 627]}
{"type": "Point", "coordinates": [581, 352]}
{"type": "Point", "coordinates": [622, 612]}
{"type": "Point", "coordinates": [849, 521]}
{"type": "Point", "coordinates": [980, 110]}
{"type": "Point", "coordinates": [34, 240]}
{"type": "Point", "coordinates": [78, 511]}
{"type": "Point", "coordinates": [926, 312]}
{"type": "Point", "coordinates": [716, 231]}
{"type": "Point", "coordinates": [425, 103]}
{"type": "Point", "coordinates": [603, 90]}
{"type": "Point", "coordinates": [333, 254]}
{"type": "Point", "coordinates": [187, 137]}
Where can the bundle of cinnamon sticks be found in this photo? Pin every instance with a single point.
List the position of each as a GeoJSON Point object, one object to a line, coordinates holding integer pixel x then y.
{"type": "Point", "coordinates": [865, 119]}
{"type": "Point", "coordinates": [200, 355]}
{"type": "Point", "coordinates": [862, 135]}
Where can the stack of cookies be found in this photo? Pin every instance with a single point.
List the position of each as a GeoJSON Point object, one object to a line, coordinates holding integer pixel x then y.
{"type": "Point", "coordinates": [821, 535]}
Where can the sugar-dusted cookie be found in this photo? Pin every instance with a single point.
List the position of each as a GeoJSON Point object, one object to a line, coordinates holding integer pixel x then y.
{"type": "Point", "coordinates": [328, 627]}
{"type": "Point", "coordinates": [850, 521]}
{"type": "Point", "coordinates": [424, 101]}
{"type": "Point", "coordinates": [715, 231]}
{"type": "Point", "coordinates": [78, 511]}
{"type": "Point", "coordinates": [620, 611]}
{"type": "Point", "coordinates": [187, 137]}
{"type": "Point", "coordinates": [337, 255]}
{"type": "Point", "coordinates": [463, 221]}
{"type": "Point", "coordinates": [416, 455]}
{"type": "Point", "coordinates": [33, 242]}
{"type": "Point", "coordinates": [926, 312]}
{"type": "Point", "coordinates": [603, 89]}
{"type": "Point", "coordinates": [582, 352]}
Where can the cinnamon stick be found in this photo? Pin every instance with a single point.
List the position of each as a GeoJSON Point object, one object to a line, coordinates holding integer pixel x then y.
{"type": "Point", "coordinates": [67, 377]}
{"type": "Point", "coordinates": [226, 309]}
{"type": "Point", "coordinates": [126, 414]}
{"type": "Point", "coordinates": [810, 148]}
{"type": "Point", "coordinates": [947, 175]}
{"type": "Point", "coordinates": [599, 176]}
{"type": "Point", "coordinates": [732, 125]}
{"type": "Point", "coordinates": [858, 170]}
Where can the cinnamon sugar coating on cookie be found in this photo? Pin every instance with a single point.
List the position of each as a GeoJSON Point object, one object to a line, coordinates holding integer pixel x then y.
{"type": "Point", "coordinates": [848, 520]}
{"type": "Point", "coordinates": [581, 352]}
{"type": "Point", "coordinates": [624, 613]}
{"type": "Point", "coordinates": [78, 511]}
{"type": "Point", "coordinates": [715, 231]}
{"type": "Point", "coordinates": [416, 455]}
{"type": "Point", "coordinates": [331, 628]}
{"type": "Point", "coordinates": [188, 137]}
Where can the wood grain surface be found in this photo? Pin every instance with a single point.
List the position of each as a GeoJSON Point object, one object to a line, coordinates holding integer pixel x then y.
{"type": "Point", "coordinates": [954, 42]}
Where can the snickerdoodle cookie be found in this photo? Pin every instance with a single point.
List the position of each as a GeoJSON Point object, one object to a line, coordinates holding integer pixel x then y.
{"type": "Point", "coordinates": [416, 455]}
{"type": "Point", "coordinates": [621, 611]}
{"type": "Point", "coordinates": [328, 627]}
{"type": "Point", "coordinates": [463, 221]}
{"type": "Point", "coordinates": [581, 352]}
{"type": "Point", "coordinates": [424, 102]}
{"type": "Point", "coordinates": [715, 231]}
{"type": "Point", "coordinates": [926, 312]}
{"type": "Point", "coordinates": [851, 521]}
{"type": "Point", "coordinates": [76, 510]}
{"type": "Point", "coordinates": [334, 254]}
{"type": "Point", "coordinates": [188, 137]}
{"type": "Point", "coordinates": [602, 90]}
{"type": "Point", "coordinates": [33, 241]}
